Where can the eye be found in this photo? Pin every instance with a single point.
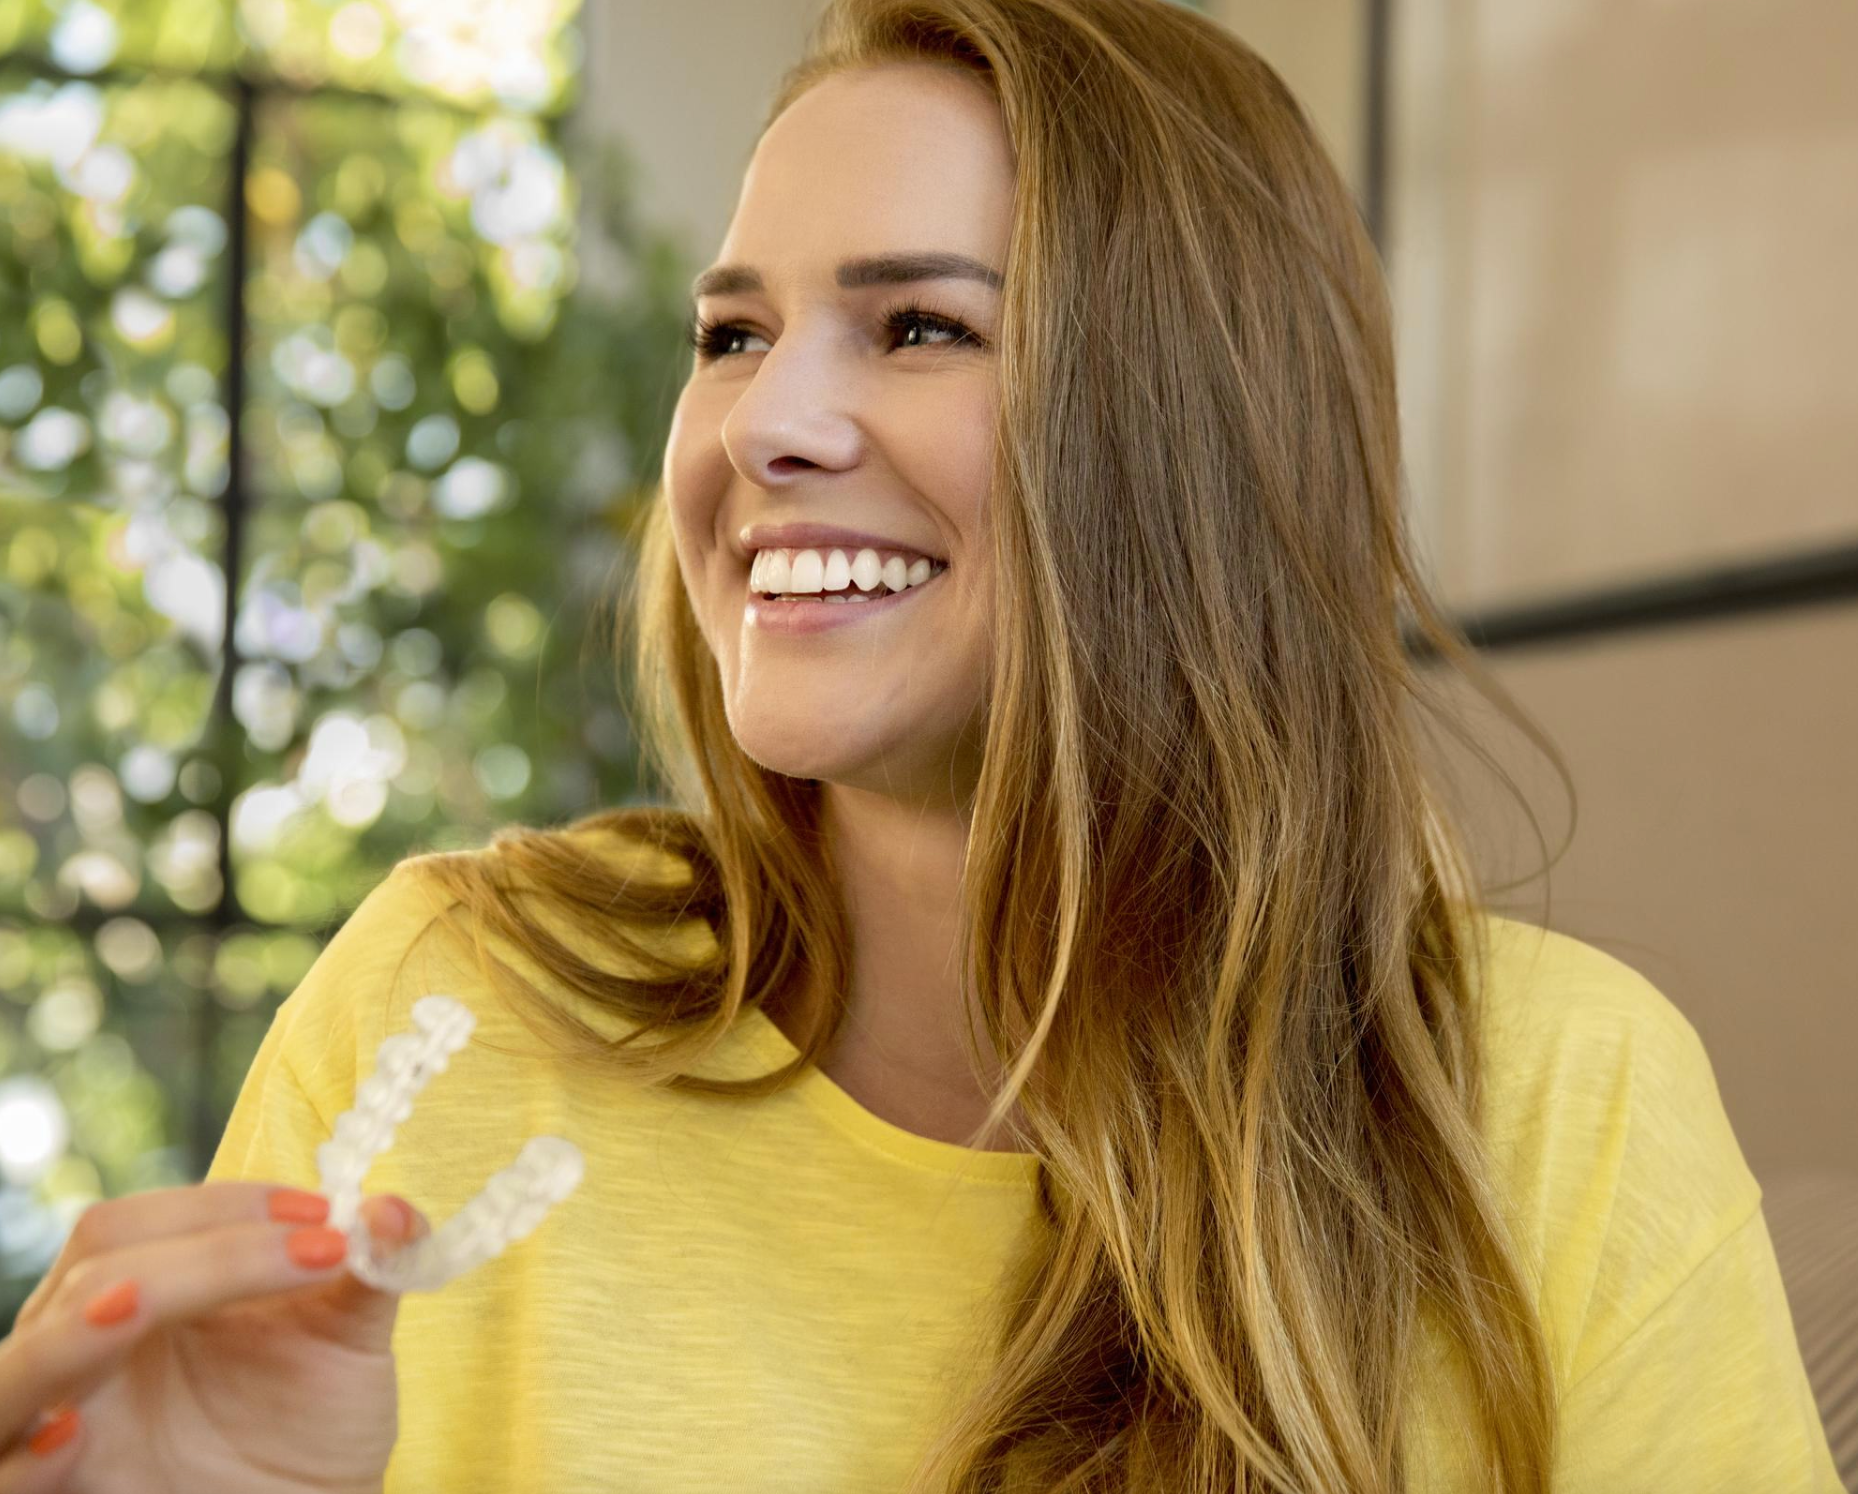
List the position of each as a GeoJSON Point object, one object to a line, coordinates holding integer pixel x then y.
{"type": "Point", "coordinates": [712, 340]}
{"type": "Point", "coordinates": [900, 317]}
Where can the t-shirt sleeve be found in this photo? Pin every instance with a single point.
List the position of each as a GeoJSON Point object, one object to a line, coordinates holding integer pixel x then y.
{"type": "Point", "coordinates": [274, 1129]}
{"type": "Point", "coordinates": [323, 1036]}
{"type": "Point", "coordinates": [1707, 1394]}
{"type": "Point", "coordinates": [1674, 1345]}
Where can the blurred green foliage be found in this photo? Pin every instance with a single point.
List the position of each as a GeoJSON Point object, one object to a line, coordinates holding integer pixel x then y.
{"type": "Point", "coordinates": [446, 432]}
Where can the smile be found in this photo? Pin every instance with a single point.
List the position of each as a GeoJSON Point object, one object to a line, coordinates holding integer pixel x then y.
{"type": "Point", "coordinates": [798, 595]}
{"type": "Point", "coordinates": [814, 572]}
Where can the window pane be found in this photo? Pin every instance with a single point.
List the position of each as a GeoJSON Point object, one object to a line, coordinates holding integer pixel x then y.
{"type": "Point", "coordinates": [103, 710]}
{"type": "Point", "coordinates": [85, 36]}
{"type": "Point", "coordinates": [514, 55]}
{"type": "Point", "coordinates": [517, 55]}
{"type": "Point", "coordinates": [113, 435]}
{"type": "Point", "coordinates": [98, 1078]}
{"type": "Point", "coordinates": [411, 658]}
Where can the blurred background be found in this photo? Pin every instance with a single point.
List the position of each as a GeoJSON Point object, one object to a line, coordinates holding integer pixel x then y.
{"type": "Point", "coordinates": [299, 294]}
{"type": "Point", "coordinates": [374, 306]}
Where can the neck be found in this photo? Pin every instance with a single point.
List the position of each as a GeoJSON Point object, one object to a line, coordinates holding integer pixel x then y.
{"type": "Point", "coordinates": [901, 1052]}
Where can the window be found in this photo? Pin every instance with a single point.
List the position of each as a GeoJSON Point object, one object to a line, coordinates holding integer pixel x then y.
{"type": "Point", "coordinates": [284, 292]}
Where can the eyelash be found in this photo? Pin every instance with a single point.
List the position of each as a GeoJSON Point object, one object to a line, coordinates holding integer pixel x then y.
{"type": "Point", "coordinates": [709, 338]}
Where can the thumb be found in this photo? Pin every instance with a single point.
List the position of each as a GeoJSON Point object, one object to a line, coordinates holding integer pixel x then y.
{"type": "Point", "coordinates": [349, 1309]}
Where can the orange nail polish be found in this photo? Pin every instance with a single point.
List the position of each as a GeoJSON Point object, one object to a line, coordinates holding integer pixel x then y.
{"type": "Point", "coordinates": [55, 1433]}
{"type": "Point", "coordinates": [316, 1247]}
{"type": "Point", "coordinates": [297, 1206]}
{"type": "Point", "coordinates": [111, 1306]}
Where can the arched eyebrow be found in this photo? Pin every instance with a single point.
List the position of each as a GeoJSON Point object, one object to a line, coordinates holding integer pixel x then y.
{"type": "Point", "coordinates": [855, 274]}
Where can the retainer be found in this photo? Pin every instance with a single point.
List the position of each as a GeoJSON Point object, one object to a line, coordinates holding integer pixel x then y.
{"type": "Point", "coordinates": [508, 1208]}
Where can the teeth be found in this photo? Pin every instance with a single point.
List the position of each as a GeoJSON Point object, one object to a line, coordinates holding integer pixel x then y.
{"type": "Point", "coordinates": [772, 571]}
{"type": "Point", "coordinates": [808, 571]}
{"type": "Point", "coordinates": [812, 572]}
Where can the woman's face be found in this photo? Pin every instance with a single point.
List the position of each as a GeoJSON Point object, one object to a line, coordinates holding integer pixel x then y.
{"type": "Point", "coordinates": [812, 411]}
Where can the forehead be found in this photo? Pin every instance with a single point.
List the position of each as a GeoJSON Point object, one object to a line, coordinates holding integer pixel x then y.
{"type": "Point", "coordinates": [906, 156]}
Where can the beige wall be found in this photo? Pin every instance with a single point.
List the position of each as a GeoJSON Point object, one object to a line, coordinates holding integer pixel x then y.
{"type": "Point", "coordinates": [1319, 49]}
{"type": "Point", "coordinates": [1715, 848]}
{"type": "Point", "coordinates": [1620, 240]}
{"type": "Point", "coordinates": [684, 87]}
{"type": "Point", "coordinates": [1620, 248]}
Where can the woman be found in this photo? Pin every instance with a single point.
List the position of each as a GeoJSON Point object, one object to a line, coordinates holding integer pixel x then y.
{"type": "Point", "coordinates": [1052, 1045]}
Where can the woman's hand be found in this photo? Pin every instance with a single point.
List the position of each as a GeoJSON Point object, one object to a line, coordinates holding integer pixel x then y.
{"type": "Point", "coordinates": [240, 1367]}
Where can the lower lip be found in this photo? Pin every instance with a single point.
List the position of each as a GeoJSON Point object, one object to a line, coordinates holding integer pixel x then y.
{"type": "Point", "coordinates": [817, 617]}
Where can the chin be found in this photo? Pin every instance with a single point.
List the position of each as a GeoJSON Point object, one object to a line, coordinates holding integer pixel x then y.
{"type": "Point", "coordinates": [825, 750]}
{"type": "Point", "coordinates": [897, 742]}
{"type": "Point", "coordinates": [802, 749]}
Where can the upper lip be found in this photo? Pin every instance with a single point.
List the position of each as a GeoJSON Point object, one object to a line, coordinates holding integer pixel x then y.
{"type": "Point", "coordinates": [815, 536]}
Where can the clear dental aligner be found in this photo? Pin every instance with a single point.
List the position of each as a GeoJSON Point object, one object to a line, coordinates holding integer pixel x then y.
{"type": "Point", "coordinates": [511, 1204]}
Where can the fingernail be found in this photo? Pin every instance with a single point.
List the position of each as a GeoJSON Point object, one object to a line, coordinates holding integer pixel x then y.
{"type": "Point", "coordinates": [317, 1247]}
{"type": "Point", "coordinates": [55, 1433]}
{"type": "Point", "coordinates": [111, 1306]}
{"type": "Point", "coordinates": [297, 1206]}
{"type": "Point", "coordinates": [396, 1216]}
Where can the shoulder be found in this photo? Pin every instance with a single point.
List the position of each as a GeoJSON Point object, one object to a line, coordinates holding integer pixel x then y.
{"type": "Point", "coordinates": [341, 1008]}
{"type": "Point", "coordinates": [1562, 1018]}
{"type": "Point", "coordinates": [443, 920]}
{"type": "Point", "coordinates": [1612, 1153]}
{"type": "Point", "coordinates": [571, 890]}
{"type": "Point", "coordinates": [322, 1037]}
{"type": "Point", "coordinates": [432, 925]}
{"type": "Point", "coordinates": [366, 947]}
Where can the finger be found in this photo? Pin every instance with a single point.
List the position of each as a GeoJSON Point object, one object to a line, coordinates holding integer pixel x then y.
{"type": "Point", "coordinates": [392, 1219]}
{"type": "Point", "coordinates": [43, 1463]}
{"type": "Point", "coordinates": [347, 1310]}
{"type": "Point", "coordinates": [159, 1213]}
{"type": "Point", "coordinates": [173, 1279]}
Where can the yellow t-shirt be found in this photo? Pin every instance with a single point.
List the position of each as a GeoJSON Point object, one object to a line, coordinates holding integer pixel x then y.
{"type": "Point", "coordinates": [783, 1294]}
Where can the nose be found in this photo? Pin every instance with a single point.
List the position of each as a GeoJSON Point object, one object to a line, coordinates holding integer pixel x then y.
{"type": "Point", "coordinates": [793, 419]}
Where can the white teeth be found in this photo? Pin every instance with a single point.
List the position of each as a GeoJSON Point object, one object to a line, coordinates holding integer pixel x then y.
{"type": "Point", "coordinates": [808, 571]}
{"type": "Point", "coordinates": [772, 571]}
{"type": "Point", "coordinates": [812, 572]}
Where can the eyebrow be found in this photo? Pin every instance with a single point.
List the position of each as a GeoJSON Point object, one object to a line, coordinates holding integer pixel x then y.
{"type": "Point", "coordinates": [854, 274]}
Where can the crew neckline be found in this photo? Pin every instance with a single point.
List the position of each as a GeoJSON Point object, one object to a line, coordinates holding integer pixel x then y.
{"type": "Point", "coordinates": [836, 1105]}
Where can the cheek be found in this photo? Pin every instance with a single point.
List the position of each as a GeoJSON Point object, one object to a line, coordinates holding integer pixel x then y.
{"type": "Point", "coordinates": [696, 479]}
{"type": "Point", "coordinates": [976, 602]}
{"type": "Point", "coordinates": [945, 451]}
{"type": "Point", "coordinates": [691, 491]}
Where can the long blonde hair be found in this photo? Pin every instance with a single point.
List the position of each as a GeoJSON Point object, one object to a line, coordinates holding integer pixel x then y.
{"type": "Point", "coordinates": [1213, 916]}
